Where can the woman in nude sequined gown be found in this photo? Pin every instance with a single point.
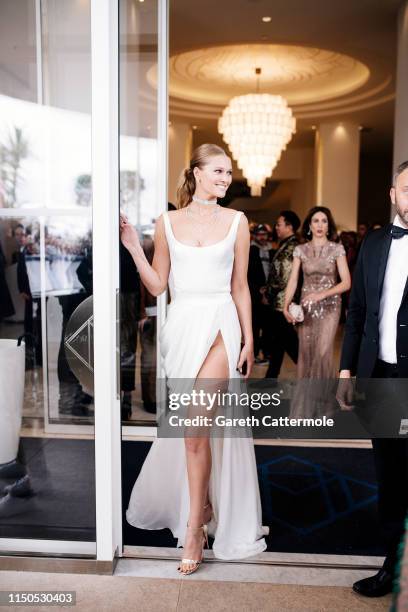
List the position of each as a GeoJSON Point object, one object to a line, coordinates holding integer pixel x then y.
{"type": "Point", "coordinates": [322, 262]}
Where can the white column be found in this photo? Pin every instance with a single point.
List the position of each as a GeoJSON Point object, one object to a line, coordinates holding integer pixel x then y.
{"type": "Point", "coordinates": [401, 99]}
{"type": "Point", "coordinates": [105, 218]}
{"type": "Point", "coordinates": [337, 171]}
{"type": "Point", "coordinates": [180, 141]}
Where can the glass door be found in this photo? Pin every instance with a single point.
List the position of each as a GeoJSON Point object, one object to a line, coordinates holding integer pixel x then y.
{"type": "Point", "coordinates": [143, 189]}
{"type": "Point", "coordinates": [143, 197]}
{"type": "Point", "coordinates": [47, 477]}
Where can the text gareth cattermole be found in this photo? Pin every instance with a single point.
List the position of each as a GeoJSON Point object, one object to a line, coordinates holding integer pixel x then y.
{"type": "Point", "coordinates": [249, 421]}
{"type": "Point", "coordinates": [208, 400]}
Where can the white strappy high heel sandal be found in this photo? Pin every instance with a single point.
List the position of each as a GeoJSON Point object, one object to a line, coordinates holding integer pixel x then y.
{"type": "Point", "coordinates": [192, 565]}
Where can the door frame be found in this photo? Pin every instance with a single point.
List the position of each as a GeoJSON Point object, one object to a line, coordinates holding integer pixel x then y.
{"type": "Point", "coordinates": [105, 168]}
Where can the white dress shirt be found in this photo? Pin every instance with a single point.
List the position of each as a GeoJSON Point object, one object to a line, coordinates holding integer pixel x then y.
{"type": "Point", "coordinates": [394, 284]}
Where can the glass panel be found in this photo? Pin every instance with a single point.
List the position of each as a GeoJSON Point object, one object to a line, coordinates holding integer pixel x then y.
{"type": "Point", "coordinates": [139, 202]}
{"type": "Point", "coordinates": [46, 482]}
{"type": "Point", "coordinates": [18, 70]}
{"type": "Point", "coordinates": [67, 98]}
{"type": "Point", "coordinates": [68, 277]}
{"type": "Point", "coordinates": [45, 149]}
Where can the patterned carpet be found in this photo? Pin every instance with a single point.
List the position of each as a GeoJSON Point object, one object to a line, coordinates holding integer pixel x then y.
{"type": "Point", "coordinates": [315, 500]}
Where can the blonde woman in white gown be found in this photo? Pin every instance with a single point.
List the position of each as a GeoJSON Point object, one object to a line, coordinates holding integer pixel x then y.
{"type": "Point", "coordinates": [201, 252]}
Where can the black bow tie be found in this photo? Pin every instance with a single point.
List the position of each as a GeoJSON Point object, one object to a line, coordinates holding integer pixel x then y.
{"type": "Point", "coordinates": [398, 232]}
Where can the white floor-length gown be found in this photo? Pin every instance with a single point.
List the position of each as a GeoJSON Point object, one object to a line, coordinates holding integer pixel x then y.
{"type": "Point", "coordinates": [201, 306]}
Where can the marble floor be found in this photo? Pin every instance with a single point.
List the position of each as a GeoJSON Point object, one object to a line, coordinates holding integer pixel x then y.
{"type": "Point", "coordinates": [126, 590]}
{"type": "Point", "coordinates": [217, 571]}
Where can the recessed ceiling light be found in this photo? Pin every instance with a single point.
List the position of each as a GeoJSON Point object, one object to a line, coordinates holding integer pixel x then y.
{"type": "Point", "coordinates": [266, 19]}
{"type": "Point", "coordinates": [313, 127]}
{"type": "Point", "coordinates": [195, 127]}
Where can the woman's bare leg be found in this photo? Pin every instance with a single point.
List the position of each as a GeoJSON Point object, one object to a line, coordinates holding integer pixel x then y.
{"type": "Point", "coordinates": [198, 454]}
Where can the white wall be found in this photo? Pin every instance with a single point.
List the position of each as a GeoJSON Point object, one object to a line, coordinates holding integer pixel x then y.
{"type": "Point", "coordinates": [337, 171]}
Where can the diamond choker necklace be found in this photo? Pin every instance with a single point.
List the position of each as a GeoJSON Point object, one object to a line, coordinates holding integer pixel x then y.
{"type": "Point", "coordinates": [199, 201]}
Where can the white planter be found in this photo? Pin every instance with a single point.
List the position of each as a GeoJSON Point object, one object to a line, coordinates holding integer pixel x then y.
{"type": "Point", "coordinates": [12, 377]}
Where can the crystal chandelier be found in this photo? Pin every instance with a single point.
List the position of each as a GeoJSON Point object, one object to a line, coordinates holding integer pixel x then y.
{"type": "Point", "coordinates": [257, 128]}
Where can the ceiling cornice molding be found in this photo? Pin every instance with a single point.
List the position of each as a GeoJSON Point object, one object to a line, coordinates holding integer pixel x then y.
{"type": "Point", "coordinates": [301, 74]}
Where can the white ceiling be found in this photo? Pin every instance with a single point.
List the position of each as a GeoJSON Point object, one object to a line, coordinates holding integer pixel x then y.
{"type": "Point", "coordinates": [364, 30]}
{"type": "Point", "coordinates": [302, 75]}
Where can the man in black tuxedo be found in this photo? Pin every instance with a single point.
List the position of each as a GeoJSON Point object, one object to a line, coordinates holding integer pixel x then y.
{"type": "Point", "coordinates": [376, 346]}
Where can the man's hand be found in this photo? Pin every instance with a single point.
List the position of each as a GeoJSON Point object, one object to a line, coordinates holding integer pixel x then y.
{"type": "Point", "coordinates": [345, 391]}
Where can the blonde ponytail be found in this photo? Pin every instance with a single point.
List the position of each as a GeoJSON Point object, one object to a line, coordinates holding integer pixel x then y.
{"type": "Point", "coordinates": [186, 188]}
{"type": "Point", "coordinates": [199, 158]}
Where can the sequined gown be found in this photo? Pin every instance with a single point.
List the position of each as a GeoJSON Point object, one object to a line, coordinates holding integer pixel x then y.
{"type": "Point", "coordinates": [317, 332]}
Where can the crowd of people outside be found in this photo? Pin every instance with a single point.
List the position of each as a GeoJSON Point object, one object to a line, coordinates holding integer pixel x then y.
{"type": "Point", "coordinates": [69, 279]}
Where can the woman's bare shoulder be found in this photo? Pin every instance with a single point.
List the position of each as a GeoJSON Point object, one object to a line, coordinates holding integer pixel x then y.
{"type": "Point", "coordinates": [243, 220]}
{"type": "Point", "coordinates": [232, 212]}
